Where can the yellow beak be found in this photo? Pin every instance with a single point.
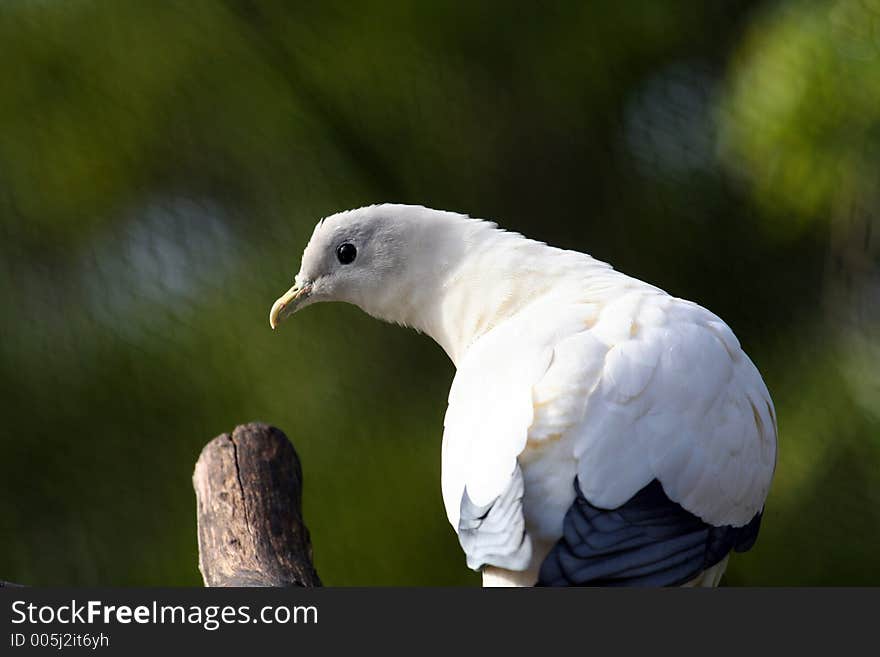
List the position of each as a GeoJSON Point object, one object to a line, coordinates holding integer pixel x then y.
{"type": "Point", "coordinates": [288, 304]}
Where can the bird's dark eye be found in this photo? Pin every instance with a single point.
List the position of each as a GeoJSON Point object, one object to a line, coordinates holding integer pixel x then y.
{"type": "Point", "coordinates": [346, 253]}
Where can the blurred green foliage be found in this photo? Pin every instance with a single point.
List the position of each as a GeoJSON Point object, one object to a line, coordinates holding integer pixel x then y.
{"type": "Point", "coordinates": [800, 118]}
{"type": "Point", "coordinates": [162, 165]}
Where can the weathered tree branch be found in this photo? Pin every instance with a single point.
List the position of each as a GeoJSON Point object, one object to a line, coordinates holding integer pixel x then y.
{"type": "Point", "coordinates": [249, 504]}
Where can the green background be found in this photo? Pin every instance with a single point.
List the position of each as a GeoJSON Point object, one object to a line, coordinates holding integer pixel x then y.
{"type": "Point", "coordinates": [162, 165]}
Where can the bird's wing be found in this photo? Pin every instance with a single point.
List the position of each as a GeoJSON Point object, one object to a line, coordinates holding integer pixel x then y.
{"type": "Point", "coordinates": [644, 387]}
{"type": "Point", "coordinates": [486, 428]}
{"type": "Point", "coordinates": [676, 399]}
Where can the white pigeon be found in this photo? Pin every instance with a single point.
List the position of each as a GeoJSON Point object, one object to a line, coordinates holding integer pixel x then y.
{"type": "Point", "coordinates": [600, 432]}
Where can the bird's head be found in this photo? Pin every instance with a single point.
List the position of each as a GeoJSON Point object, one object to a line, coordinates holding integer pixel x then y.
{"type": "Point", "coordinates": [372, 257]}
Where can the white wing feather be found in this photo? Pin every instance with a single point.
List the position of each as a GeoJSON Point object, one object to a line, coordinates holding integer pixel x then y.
{"type": "Point", "coordinates": [677, 400]}
{"type": "Point", "coordinates": [491, 405]}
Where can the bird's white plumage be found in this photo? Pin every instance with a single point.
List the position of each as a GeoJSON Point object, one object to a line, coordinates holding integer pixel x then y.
{"type": "Point", "coordinates": [565, 368]}
{"type": "Point", "coordinates": [491, 405]}
{"type": "Point", "coordinates": [615, 381]}
{"type": "Point", "coordinates": [645, 386]}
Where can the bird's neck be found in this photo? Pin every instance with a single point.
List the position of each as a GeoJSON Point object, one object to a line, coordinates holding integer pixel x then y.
{"type": "Point", "coordinates": [469, 279]}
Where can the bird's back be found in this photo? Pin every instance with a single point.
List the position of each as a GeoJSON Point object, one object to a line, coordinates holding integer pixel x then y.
{"type": "Point", "coordinates": [629, 387]}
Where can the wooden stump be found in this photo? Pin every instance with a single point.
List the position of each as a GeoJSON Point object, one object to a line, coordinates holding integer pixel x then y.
{"type": "Point", "coordinates": [249, 506]}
